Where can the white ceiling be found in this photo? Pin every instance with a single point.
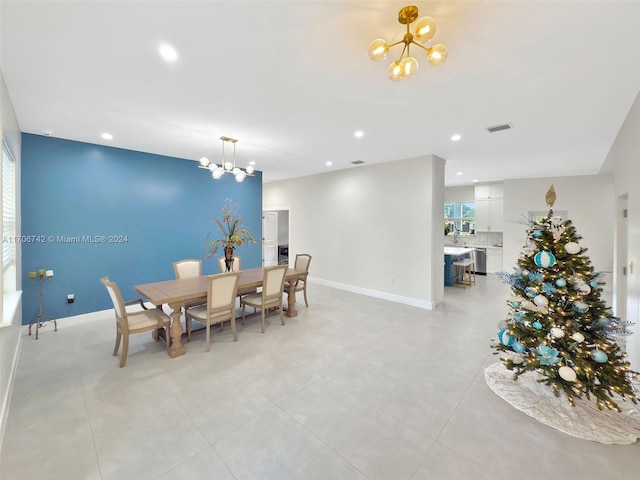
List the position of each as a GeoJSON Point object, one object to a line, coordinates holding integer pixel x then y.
{"type": "Point", "coordinates": [292, 81]}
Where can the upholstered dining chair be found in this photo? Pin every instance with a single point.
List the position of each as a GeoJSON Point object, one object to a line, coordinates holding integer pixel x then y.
{"type": "Point", "coordinates": [130, 322]}
{"type": "Point", "coordinates": [302, 263]}
{"type": "Point", "coordinates": [236, 267]}
{"type": "Point", "coordinates": [221, 305]}
{"type": "Point", "coordinates": [271, 295]}
{"type": "Point", "coordinates": [189, 268]}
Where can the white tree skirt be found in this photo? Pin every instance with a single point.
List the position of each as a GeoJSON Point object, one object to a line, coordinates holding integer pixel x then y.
{"type": "Point", "coordinates": [582, 421]}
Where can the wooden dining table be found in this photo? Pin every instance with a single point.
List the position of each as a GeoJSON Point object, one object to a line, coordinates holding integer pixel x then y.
{"type": "Point", "coordinates": [176, 293]}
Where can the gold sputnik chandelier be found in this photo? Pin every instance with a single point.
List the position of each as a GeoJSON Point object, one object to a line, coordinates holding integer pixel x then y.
{"type": "Point", "coordinates": [217, 171]}
{"type": "Point", "coordinates": [424, 30]}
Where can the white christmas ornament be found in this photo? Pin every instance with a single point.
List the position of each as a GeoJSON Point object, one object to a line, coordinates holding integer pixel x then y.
{"type": "Point", "coordinates": [557, 332]}
{"type": "Point", "coordinates": [578, 337]}
{"type": "Point", "coordinates": [584, 289]}
{"type": "Point", "coordinates": [541, 300]}
{"type": "Point", "coordinates": [567, 373]}
{"type": "Point", "coordinates": [572, 248]}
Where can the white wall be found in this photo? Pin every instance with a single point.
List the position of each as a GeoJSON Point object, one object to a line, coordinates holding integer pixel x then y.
{"type": "Point", "coordinates": [370, 229]}
{"type": "Point", "coordinates": [589, 202]}
{"type": "Point", "coordinates": [624, 161]}
{"type": "Point", "coordinates": [10, 307]}
{"type": "Point", "coordinates": [466, 193]}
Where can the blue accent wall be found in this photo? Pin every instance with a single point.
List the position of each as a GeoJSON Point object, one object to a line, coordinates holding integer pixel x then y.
{"type": "Point", "coordinates": [157, 209]}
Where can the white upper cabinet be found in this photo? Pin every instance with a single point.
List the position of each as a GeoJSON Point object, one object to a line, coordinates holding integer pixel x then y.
{"type": "Point", "coordinates": [489, 207]}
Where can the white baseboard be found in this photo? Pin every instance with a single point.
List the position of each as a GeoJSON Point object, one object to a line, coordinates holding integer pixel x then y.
{"type": "Point", "coordinates": [79, 319]}
{"type": "Point", "coordinates": [414, 302]}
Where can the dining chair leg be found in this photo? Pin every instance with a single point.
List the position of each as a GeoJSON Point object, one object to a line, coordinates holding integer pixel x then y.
{"type": "Point", "coordinates": [187, 322]}
{"type": "Point", "coordinates": [233, 326]}
{"type": "Point", "coordinates": [262, 319]}
{"type": "Point", "coordinates": [243, 307]}
{"type": "Point", "coordinates": [125, 350]}
{"type": "Point", "coordinates": [117, 347]}
{"type": "Point", "coordinates": [208, 336]}
{"type": "Point", "coordinates": [305, 294]}
{"type": "Point", "coordinates": [281, 316]}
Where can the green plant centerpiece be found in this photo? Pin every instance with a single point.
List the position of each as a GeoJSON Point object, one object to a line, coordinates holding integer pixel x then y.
{"type": "Point", "coordinates": [233, 232]}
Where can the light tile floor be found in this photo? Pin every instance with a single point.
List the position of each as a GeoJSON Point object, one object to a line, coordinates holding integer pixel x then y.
{"type": "Point", "coordinates": [352, 388]}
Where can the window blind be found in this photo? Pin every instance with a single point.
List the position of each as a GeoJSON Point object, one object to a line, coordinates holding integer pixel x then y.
{"type": "Point", "coordinates": [8, 208]}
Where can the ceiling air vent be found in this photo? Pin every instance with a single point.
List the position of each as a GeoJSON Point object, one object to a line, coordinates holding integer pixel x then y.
{"type": "Point", "coordinates": [497, 128]}
{"type": "Point", "coordinates": [358, 162]}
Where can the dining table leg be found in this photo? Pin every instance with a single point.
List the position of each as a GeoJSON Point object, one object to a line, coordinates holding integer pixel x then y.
{"type": "Point", "coordinates": [176, 348]}
{"type": "Point", "coordinates": [291, 300]}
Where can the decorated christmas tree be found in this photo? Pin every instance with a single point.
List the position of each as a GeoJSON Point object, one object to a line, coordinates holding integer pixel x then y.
{"type": "Point", "coordinates": [557, 323]}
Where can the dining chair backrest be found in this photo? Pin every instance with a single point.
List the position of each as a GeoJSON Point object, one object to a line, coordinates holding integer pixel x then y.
{"type": "Point", "coordinates": [236, 267]}
{"type": "Point", "coordinates": [273, 282]}
{"type": "Point", "coordinates": [187, 268]}
{"type": "Point", "coordinates": [118, 303]}
{"type": "Point", "coordinates": [222, 291]}
{"type": "Point", "coordinates": [302, 262]}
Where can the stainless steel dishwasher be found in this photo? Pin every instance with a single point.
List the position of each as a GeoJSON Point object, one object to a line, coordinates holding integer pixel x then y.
{"type": "Point", "coordinates": [481, 261]}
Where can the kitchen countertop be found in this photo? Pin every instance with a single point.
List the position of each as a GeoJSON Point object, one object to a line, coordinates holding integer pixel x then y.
{"type": "Point", "coordinates": [469, 245]}
{"type": "Point", "coordinates": [457, 250]}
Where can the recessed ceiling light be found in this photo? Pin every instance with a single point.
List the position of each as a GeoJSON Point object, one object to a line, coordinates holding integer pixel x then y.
{"type": "Point", "coordinates": [168, 52]}
{"type": "Point", "coordinates": [475, 180]}
{"type": "Point", "coordinates": [107, 136]}
{"type": "Point", "coordinates": [359, 134]}
{"type": "Point", "coordinates": [252, 162]}
{"type": "Point", "coordinates": [329, 163]}
{"type": "Point", "coordinates": [458, 173]}
{"type": "Point", "coordinates": [456, 137]}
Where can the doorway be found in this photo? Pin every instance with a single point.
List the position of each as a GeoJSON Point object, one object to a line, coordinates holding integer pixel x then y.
{"type": "Point", "coordinates": [275, 244]}
{"type": "Point", "coordinates": [620, 269]}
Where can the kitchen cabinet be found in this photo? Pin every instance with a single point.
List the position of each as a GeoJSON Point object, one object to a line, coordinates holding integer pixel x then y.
{"type": "Point", "coordinates": [494, 260]}
{"type": "Point", "coordinates": [489, 207]}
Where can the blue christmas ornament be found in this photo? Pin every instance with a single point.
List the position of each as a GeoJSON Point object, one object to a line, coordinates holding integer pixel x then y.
{"type": "Point", "coordinates": [580, 307]}
{"type": "Point", "coordinates": [536, 277]}
{"type": "Point", "coordinates": [603, 321]}
{"type": "Point", "coordinates": [594, 284]}
{"type": "Point", "coordinates": [548, 288]}
{"type": "Point", "coordinates": [561, 282]}
{"type": "Point", "coordinates": [546, 355]}
{"type": "Point", "coordinates": [537, 325]}
{"type": "Point", "coordinates": [518, 347]}
{"type": "Point", "coordinates": [515, 304]}
{"type": "Point", "coordinates": [530, 292]}
{"type": "Point", "coordinates": [505, 338]}
{"type": "Point", "coordinates": [518, 316]}
{"type": "Point", "coordinates": [599, 356]}
{"type": "Point", "coordinates": [544, 259]}
{"type": "Point", "coordinates": [537, 233]}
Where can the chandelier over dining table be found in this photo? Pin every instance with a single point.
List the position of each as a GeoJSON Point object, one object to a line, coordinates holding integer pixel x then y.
{"type": "Point", "coordinates": [424, 30]}
{"type": "Point", "coordinates": [226, 166]}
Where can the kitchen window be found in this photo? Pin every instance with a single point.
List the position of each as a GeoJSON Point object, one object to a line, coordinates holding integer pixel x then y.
{"type": "Point", "coordinates": [459, 218]}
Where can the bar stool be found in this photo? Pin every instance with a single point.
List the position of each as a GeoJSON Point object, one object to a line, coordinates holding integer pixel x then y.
{"type": "Point", "coordinates": [463, 271]}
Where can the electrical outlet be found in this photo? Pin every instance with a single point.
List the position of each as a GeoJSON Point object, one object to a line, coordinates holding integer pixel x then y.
{"type": "Point", "coordinates": [71, 298]}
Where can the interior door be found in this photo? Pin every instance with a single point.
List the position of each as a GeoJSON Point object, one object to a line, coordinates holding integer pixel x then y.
{"type": "Point", "coordinates": [270, 239]}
